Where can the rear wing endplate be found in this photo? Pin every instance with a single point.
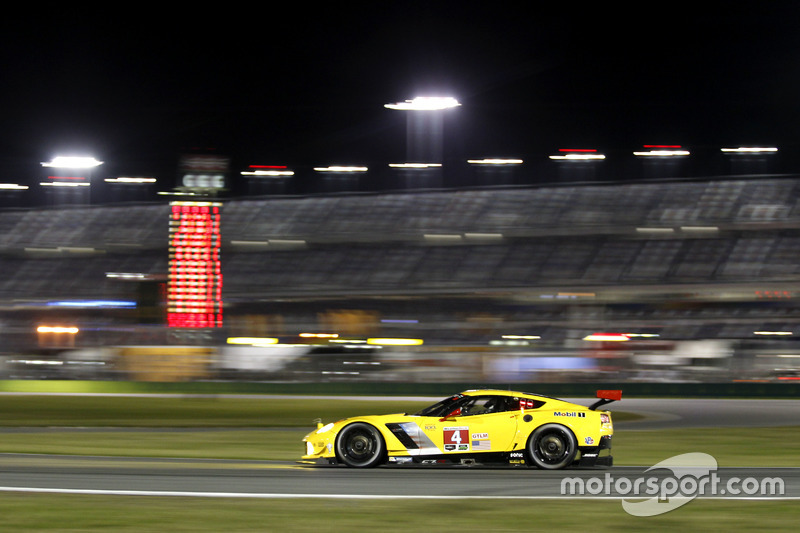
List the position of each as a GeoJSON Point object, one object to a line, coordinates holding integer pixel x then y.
{"type": "Point", "coordinates": [606, 396]}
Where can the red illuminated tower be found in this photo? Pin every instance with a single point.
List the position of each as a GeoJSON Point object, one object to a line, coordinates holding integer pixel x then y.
{"type": "Point", "coordinates": [194, 290]}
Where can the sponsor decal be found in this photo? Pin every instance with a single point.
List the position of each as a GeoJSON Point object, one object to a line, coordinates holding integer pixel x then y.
{"type": "Point", "coordinates": [400, 459]}
{"type": "Point", "coordinates": [481, 442]}
{"type": "Point", "coordinates": [456, 439]}
{"type": "Point", "coordinates": [482, 445]}
{"type": "Point", "coordinates": [574, 415]}
{"type": "Point", "coordinates": [411, 436]}
{"type": "Point", "coordinates": [588, 440]}
{"type": "Point", "coordinates": [516, 455]}
{"type": "Point", "coordinates": [429, 427]}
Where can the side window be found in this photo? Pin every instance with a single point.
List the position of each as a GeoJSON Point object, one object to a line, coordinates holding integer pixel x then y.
{"type": "Point", "coordinates": [482, 405]}
{"type": "Point", "coordinates": [525, 403]}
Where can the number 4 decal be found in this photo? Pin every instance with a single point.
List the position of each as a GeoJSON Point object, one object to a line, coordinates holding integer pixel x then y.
{"type": "Point", "coordinates": [456, 439]}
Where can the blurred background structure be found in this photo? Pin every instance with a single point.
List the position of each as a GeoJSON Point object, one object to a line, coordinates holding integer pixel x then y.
{"type": "Point", "coordinates": [665, 273]}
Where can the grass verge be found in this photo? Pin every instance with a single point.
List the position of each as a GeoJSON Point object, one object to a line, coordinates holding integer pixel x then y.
{"type": "Point", "coordinates": [184, 411]}
{"type": "Point", "coordinates": [738, 447]}
{"type": "Point", "coordinates": [271, 429]}
{"type": "Point", "coordinates": [756, 446]}
{"type": "Point", "coordinates": [191, 411]}
{"type": "Point", "coordinates": [39, 512]}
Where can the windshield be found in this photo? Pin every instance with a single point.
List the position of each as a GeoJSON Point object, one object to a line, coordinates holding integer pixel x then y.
{"type": "Point", "coordinates": [440, 408]}
{"type": "Point", "coordinates": [461, 405]}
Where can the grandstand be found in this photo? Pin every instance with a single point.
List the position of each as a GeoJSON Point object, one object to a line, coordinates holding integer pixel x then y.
{"type": "Point", "coordinates": [691, 260]}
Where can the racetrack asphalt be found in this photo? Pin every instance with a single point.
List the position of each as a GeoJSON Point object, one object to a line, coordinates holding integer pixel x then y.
{"type": "Point", "coordinates": [192, 477]}
{"type": "Point", "coordinates": [189, 477]}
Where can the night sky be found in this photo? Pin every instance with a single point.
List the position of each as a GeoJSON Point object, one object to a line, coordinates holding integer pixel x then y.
{"type": "Point", "coordinates": [303, 85]}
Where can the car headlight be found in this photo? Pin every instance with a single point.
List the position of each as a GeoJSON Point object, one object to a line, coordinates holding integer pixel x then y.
{"type": "Point", "coordinates": [309, 448]}
{"type": "Point", "coordinates": [326, 427]}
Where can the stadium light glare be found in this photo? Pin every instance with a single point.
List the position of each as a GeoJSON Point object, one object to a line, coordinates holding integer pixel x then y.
{"type": "Point", "coordinates": [267, 173]}
{"type": "Point", "coordinates": [415, 165]}
{"type": "Point", "coordinates": [130, 180]}
{"type": "Point", "coordinates": [494, 161]}
{"type": "Point", "coordinates": [340, 168]}
{"type": "Point", "coordinates": [64, 184]}
{"type": "Point", "coordinates": [607, 337]}
{"type": "Point", "coordinates": [577, 154]}
{"type": "Point", "coordinates": [662, 150]}
{"type": "Point", "coordinates": [425, 103]}
{"type": "Point", "coordinates": [749, 150]}
{"type": "Point", "coordinates": [72, 162]}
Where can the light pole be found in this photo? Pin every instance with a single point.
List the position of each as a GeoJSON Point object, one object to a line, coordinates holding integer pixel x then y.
{"type": "Point", "coordinates": [577, 164]}
{"type": "Point", "coordinates": [80, 180]}
{"type": "Point", "coordinates": [495, 170]}
{"type": "Point", "coordinates": [341, 177]}
{"type": "Point", "coordinates": [425, 128]}
{"type": "Point", "coordinates": [662, 160]}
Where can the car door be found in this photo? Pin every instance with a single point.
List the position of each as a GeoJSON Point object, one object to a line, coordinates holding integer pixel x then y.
{"type": "Point", "coordinates": [477, 424]}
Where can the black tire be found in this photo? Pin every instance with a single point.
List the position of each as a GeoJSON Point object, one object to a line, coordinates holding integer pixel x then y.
{"type": "Point", "coordinates": [360, 445]}
{"type": "Point", "coordinates": [552, 446]}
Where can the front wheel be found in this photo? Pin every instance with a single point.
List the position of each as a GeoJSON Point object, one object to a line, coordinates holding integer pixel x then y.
{"type": "Point", "coordinates": [552, 446]}
{"type": "Point", "coordinates": [360, 445]}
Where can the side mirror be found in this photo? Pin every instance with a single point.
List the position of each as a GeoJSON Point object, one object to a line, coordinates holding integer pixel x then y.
{"type": "Point", "coordinates": [451, 415]}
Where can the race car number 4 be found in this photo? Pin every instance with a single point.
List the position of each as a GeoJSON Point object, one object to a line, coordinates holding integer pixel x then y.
{"type": "Point", "coordinates": [456, 439]}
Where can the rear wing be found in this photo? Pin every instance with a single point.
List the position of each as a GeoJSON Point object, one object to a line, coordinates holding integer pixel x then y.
{"type": "Point", "coordinates": [606, 396]}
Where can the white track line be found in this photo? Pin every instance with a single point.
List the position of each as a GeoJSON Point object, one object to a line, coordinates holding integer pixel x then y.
{"type": "Point", "coordinates": [188, 494]}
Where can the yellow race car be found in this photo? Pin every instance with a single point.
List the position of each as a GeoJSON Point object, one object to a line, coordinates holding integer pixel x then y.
{"type": "Point", "coordinates": [473, 427]}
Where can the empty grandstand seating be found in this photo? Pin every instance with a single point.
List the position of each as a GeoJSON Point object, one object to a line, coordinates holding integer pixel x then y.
{"type": "Point", "coordinates": [579, 234]}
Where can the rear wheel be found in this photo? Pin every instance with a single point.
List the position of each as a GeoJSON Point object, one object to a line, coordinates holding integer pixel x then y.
{"type": "Point", "coordinates": [552, 446]}
{"type": "Point", "coordinates": [360, 445]}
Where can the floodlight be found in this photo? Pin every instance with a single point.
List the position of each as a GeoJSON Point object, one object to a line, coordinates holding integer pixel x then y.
{"type": "Point", "coordinates": [425, 103]}
{"type": "Point", "coordinates": [73, 162]}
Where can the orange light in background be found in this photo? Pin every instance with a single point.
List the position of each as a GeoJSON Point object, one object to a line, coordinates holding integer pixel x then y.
{"type": "Point", "coordinates": [394, 342]}
{"type": "Point", "coordinates": [57, 336]}
{"type": "Point", "coordinates": [252, 341]}
{"type": "Point", "coordinates": [58, 329]}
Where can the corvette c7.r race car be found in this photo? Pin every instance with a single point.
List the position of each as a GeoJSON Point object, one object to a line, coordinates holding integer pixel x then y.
{"type": "Point", "coordinates": [473, 427]}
